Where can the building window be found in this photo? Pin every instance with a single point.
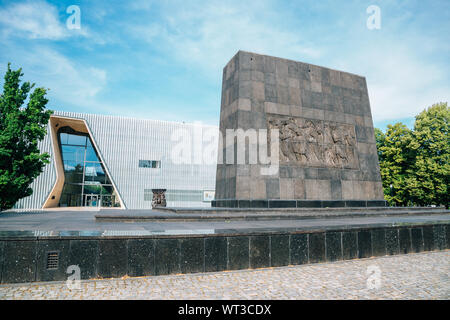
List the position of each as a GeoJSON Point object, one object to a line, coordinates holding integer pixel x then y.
{"type": "Point", "coordinates": [149, 164]}
{"type": "Point", "coordinates": [86, 182]}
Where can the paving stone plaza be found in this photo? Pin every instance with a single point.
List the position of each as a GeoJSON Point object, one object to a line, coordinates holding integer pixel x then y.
{"type": "Point", "coordinates": [411, 276]}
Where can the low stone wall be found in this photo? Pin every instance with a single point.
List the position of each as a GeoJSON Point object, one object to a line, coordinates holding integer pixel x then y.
{"type": "Point", "coordinates": [47, 258]}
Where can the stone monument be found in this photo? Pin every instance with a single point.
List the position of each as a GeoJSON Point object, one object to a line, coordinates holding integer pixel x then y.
{"type": "Point", "coordinates": [327, 151]}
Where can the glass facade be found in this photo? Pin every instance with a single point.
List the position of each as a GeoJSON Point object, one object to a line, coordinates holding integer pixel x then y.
{"type": "Point", "coordinates": [86, 182]}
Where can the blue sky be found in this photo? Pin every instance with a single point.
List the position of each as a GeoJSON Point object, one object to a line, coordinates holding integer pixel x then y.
{"type": "Point", "coordinates": [164, 59]}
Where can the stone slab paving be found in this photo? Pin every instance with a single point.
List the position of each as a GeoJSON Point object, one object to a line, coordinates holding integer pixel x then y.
{"type": "Point", "coordinates": [411, 276]}
{"type": "Point", "coordinates": [85, 221]}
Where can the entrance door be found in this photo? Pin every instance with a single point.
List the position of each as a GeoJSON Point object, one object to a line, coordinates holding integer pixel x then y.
{"type": "Point", "coordinates": [91, 200]}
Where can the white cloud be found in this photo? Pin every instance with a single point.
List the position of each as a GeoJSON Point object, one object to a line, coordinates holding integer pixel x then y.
{"type": "Point", "coordinates": [402, 87]}
{"type": "Point", "coordinates": [401, 82]}
{"type": "Point", "coordinates": [69, 82]}
{"type": "Point", "coordinates": [35, 20]}
{"type": "Point", "coordinates": [398, 61]}
{"type": "Point", "coordinates": [138, 5]}
{"type": "Point", "coordinates": [209, 34]}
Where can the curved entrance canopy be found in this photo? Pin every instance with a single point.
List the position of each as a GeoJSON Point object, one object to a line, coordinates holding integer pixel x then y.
{"type": "Point", "coordinates": [82, 178]}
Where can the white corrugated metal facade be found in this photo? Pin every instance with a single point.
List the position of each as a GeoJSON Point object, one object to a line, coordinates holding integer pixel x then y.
{"type": "Point", "coordinates": [122, 142]}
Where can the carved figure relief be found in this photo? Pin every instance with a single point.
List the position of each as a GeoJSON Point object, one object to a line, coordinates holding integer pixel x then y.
{"type": "Point", "coordinates": [315, 143]}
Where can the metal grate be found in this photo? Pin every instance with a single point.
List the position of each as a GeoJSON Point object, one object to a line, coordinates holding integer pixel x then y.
{"type": "Point", "coordinates": [52, 260]}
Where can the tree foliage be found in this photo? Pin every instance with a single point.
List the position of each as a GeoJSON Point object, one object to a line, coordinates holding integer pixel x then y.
{"type": "Point", "coordinates": [415, 164]}
{"type": "Point", "coordinates": [394, 162]}
{"type": "Point", "coordinates": [21, 128]}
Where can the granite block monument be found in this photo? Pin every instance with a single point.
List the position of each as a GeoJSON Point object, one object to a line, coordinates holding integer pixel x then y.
{"type": "Point", "coordinates": [325, 148]}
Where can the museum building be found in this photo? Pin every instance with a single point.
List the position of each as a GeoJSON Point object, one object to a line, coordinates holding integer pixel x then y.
{"type": "Point", "coordinates": [121, 162]}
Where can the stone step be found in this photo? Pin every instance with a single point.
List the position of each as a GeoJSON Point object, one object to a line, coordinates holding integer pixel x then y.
{"type": "Point", "coordinates": [176, 215]}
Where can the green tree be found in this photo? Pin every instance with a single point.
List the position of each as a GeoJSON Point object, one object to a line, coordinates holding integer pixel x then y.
{"type": "Point", "coordinates": [428, 179]}
{"type": "Point", "coordinates": [380, 140]}
{"type": "Point", "coordinates": [21, 128]}
{"type": "Point", "coordinates": [395, 160]}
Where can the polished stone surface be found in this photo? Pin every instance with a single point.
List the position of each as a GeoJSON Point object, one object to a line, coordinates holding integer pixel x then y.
{"type": "Point", "coordinates": [148, 248]}
{"type": "Point", "coordinates": [349, 245]}
{"type": "Point", "coordinates": [439, 237]}
{"type": "Point", "coordinates": [238, 253]}
{"type": "Point", "coordinates": [316, 242]}
{"type": "Point", "coordinates": [279, 250]}
{"type": "Point", "coordinates": [299, 249]}
{"type": "Point", "coordinates": [2, 258]}
{"type": "Point", "coordinates": [428, 238]}
{"type": "Point", "coordinates": [61, 248]}
{"type": "Point", "coordinates": [333, 246]}
{"type": "Point", "coordinates": [404, 240]}
{"type": "Point", "coordinates": [83, 253]}
{"type": "Point", "coordinates": [447, 236]}
{"type": "Point", "coordinates": [141, 257]}
{"type": "Point", "coordinates": [364, 244]}
{"type": "Point", "coordinates": [417, 239]}
{"type": "Point", "coordinates": [112, 258]}
{"type": "Point", "coordinates": [259, 252]}
{"type": "Point", "coordinates": [192, 255]}
{"type": "Point", "coordinates": [19, 261]}
{"type": "Point", "coordinates": [378, 242]}
{"type": "Point", "coordinates": [215, 254]}
{"type": "Point", "coordinates": [167, 252]}
{"type": "Point", "coordinates": [392, 242]}
{"type": "Point", "coordinates": [83, 224]}
{"type": "Point", "coordinates": [298, 203]}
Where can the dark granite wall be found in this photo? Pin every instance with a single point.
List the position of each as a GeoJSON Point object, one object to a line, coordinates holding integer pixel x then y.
{"type": "Point", "coordinates": [26, 260]}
